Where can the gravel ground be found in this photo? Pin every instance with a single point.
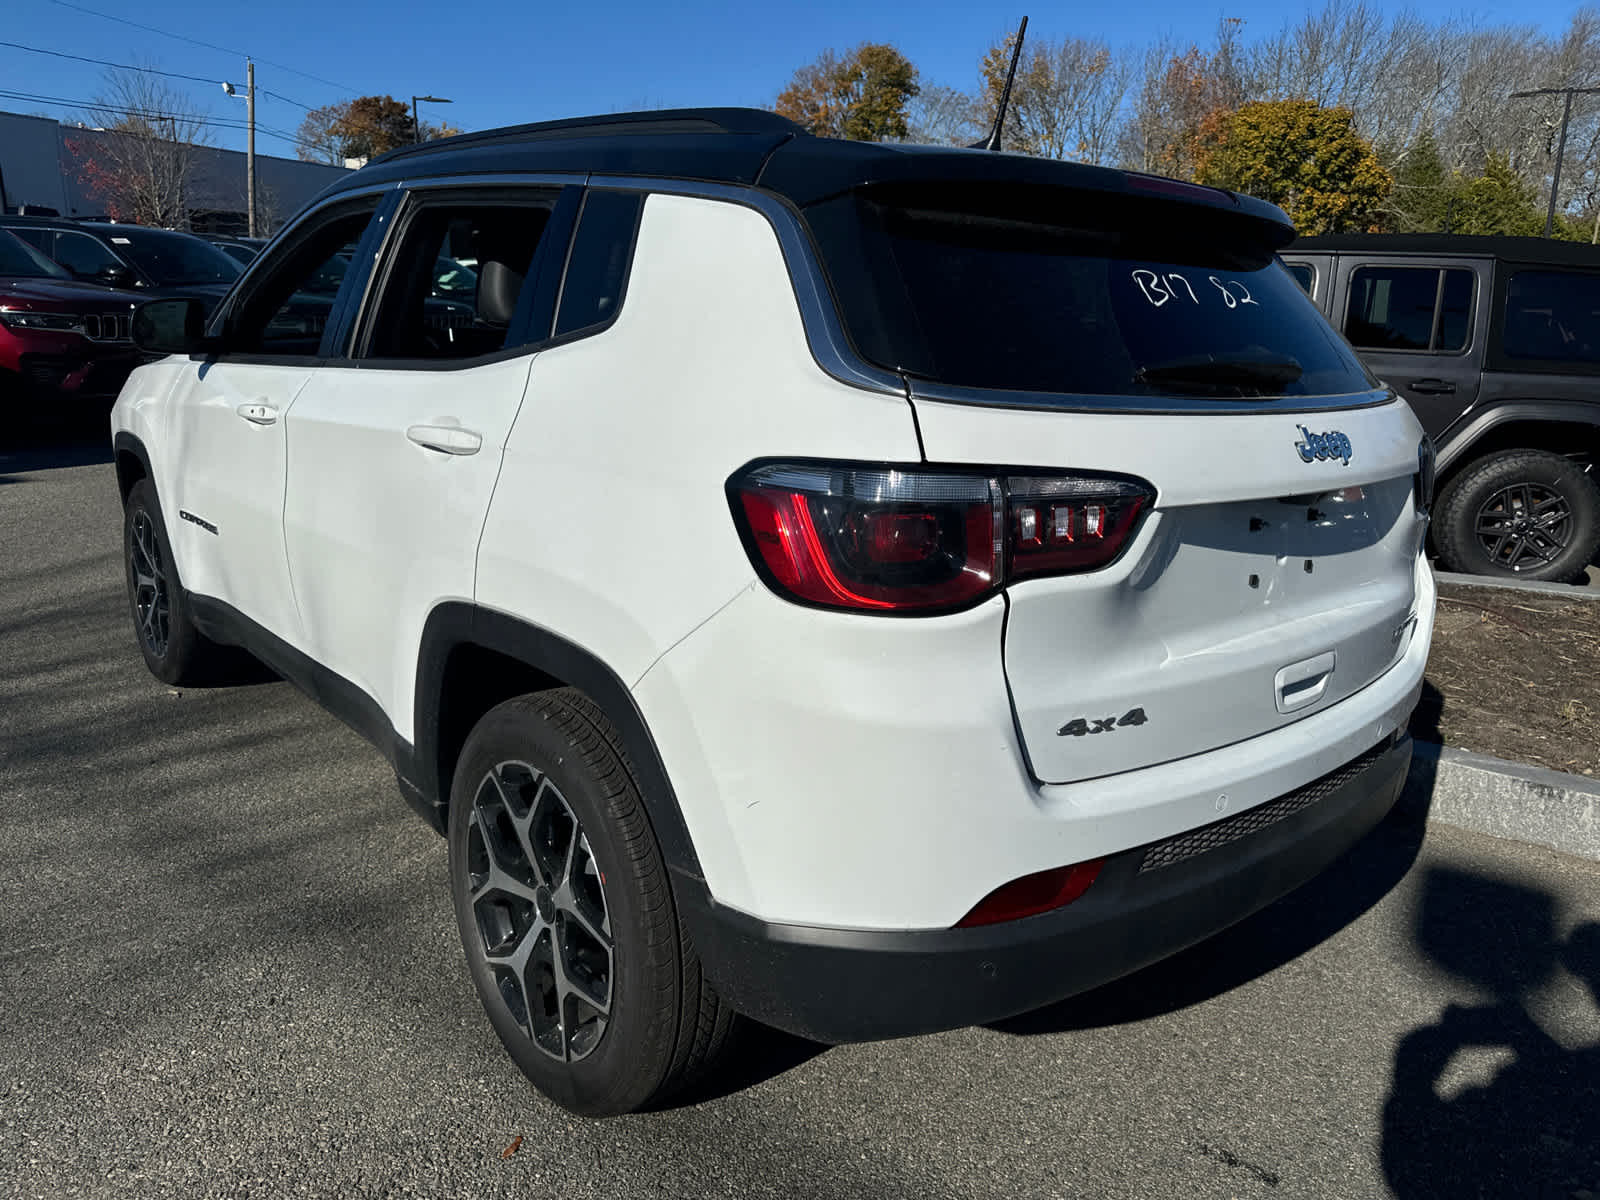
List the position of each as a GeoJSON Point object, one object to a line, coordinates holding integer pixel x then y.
{"type": "Point", "coordinates": [229, 968]}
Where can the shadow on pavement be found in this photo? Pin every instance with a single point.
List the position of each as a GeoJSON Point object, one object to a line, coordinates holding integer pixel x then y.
{"type": "Point", "coordinates": [1533, 1129]}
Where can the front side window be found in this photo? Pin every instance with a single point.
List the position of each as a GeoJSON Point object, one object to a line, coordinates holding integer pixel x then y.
{"type": "Point", "coordinates": [1409, 308]}
{"type": "Point", "coordinates": [1554, 316]}
{"type": "Point", "coordinates": [287, 309]}
{"type": "Point", "coordinates": [83, 255]}
{"type": "Point", "coordinates": [433, 304]}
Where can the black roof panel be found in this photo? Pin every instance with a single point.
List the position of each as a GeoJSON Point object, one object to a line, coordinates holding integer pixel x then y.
{"type": "Point", "coordinates": [1545, 251]}
{"type": "Point", "coordinates": [753, 147]}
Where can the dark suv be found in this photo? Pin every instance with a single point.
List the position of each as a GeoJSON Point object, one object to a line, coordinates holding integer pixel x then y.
{"type": "Point", "coordinates": [1495, 342]}
{"type": "Point", "coordinates": [58, 338]}
{"type": "Point", "coordinates": [154, 262]}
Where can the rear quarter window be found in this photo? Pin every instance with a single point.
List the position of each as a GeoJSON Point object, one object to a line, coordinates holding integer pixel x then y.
{"type": "Point", "coordinates": [1553, 316]}
{"type": "Point", "coordinates": [1043, 290]}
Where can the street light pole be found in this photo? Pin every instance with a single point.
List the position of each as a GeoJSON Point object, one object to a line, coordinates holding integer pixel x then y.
{"type": "Point", "coordinates": [416, 123]}
{"type": "Point", "coordinates": [1561, 142]}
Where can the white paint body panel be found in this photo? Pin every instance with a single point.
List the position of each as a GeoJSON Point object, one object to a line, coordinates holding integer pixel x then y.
{"type": "Point", "coordinates": [232, 475]}
{"type": "Point", "coordinates": [863, 773]}
{"type": "Point", "coordinates": [379, 529]}
{"type": "Point", "coordinates": [611, 524]}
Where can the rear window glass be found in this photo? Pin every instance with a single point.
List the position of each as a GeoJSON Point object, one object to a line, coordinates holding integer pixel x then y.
{"type": "Point", "coordinates": [1553, 315]}
{"type": "Point", "coordinates": [1044, 290]}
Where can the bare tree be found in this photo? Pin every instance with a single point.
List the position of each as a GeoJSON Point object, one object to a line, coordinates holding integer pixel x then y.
{"type": "Point", "coordinates": [140, 167]}
{"type": "Point", "coordinates": [1065, 99]}
{"type": "Point", "coordinates": [943, 116]}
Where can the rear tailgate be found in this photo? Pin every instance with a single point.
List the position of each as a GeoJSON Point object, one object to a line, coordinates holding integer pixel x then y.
{"type": "Point", "coordinates": [1261, 588]}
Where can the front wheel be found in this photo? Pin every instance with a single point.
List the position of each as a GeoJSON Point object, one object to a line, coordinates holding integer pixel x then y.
{"type": "Point", "coordinates": [566, 913]}
{"type": "Point", "coordinates": [174, 650]}
{"type": "Point", "coordinates": [1525, 514]}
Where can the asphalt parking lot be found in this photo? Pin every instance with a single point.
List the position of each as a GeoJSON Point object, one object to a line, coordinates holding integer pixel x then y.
{"type": "Point", "coordinates": [228, 967]}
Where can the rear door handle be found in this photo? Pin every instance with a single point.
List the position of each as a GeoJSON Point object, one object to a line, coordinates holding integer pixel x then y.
{"type": "Point", "coordinates": [446, 439]}
{"type": "Point", "coordinates": [258, 413]}
{"type": "Point", "coordinates": [1432, 387]}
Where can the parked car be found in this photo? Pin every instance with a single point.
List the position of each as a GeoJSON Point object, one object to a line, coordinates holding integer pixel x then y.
{"type": "Point", "coordinates": [870, 589]}
{"type": "Point", "coordinates": [1495, 343]}
{"type": "Point", "coordinates": [153, 262]}
{"type": "Point", "coordinates": [62, 343]}
{"type": "Point", "coordinates": [242, 250]}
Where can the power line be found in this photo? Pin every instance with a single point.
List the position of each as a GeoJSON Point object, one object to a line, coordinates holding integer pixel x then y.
{"type": "Point", "coordinates": [196, 42]}
{"type": "Point", "coordinates": [233, 123]}
{"type": "Point", "coordinates": [100, 62]}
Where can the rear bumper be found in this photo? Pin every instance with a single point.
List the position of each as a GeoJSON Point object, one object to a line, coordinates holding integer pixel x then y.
{"type": "Point", "coordinates": [1149, 902]}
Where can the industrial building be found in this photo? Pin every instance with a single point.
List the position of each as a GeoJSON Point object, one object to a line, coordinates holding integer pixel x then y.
{"type": "Point", "coordinates": [42, 163]}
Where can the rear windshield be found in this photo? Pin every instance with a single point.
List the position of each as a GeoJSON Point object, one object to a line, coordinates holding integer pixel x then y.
{"type": "Point", "coordinates": [1072, 292]}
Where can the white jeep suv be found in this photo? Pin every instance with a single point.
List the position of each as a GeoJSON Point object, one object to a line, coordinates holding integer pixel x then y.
{"type": "Point", "coordinates": [872, 589]}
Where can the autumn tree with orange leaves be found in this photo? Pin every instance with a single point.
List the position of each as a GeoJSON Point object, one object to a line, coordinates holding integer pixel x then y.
{"type": "Point", "coordinates": [862, 95]}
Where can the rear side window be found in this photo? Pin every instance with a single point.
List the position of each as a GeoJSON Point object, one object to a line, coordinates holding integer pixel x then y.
{"type": "Point", "coordinates": [1554, 316]}
{"type": "Point", "coordinates": [454, 288]}
{"type": "Point", "coordinates": [1409, 308]}
{"type": "Point", "coordinates": [1055, 291]}
{"type": "Point", "coordinates": [597, 270]}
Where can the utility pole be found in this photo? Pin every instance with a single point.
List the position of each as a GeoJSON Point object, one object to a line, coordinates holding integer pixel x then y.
{"type": "Point", "coordinates": [1561, 142]}
{"type": "Point", "coordinates": [250, 149]}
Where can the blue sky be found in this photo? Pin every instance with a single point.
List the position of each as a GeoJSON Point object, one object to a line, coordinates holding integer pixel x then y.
{"type": "Point", "coordinates": [503, 62]}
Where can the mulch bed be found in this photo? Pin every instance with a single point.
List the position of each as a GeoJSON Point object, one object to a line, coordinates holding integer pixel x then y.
{"type": "Point", "coordinates": [1516, 675]}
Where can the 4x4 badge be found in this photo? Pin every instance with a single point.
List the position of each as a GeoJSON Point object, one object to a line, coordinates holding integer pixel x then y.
{"type": "Point", "coordinates": [1331, 444]}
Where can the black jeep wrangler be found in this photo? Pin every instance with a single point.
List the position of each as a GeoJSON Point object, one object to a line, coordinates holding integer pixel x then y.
{"type": "Point", "coordinates": [1495, 342]}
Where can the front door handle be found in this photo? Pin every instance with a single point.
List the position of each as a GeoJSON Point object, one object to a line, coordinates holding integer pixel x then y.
{"type": "Point", "coordinates": [258, 413]}
{"type": "Point", "coordinates": [1432, 387]}
{"type": "Point", "coordinates": [446, 439]}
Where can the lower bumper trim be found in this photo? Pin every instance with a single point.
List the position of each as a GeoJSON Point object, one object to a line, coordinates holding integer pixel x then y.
{"type": "Point", "coordinates": [835, 985]}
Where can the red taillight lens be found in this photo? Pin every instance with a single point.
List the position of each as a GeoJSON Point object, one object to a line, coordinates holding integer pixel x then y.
{"type": "Point", "coordinates": [1033, 894]}
{"type": "Point", "coordinates": [872, 539]}
{"type": "Point", "coordinates": [877, 539]}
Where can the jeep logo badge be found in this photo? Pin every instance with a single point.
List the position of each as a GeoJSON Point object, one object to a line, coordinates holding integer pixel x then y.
{"type": "Point", "coordinates": [1330, 444]}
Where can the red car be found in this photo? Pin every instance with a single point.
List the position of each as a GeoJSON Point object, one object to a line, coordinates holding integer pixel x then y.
{"type": "Point", "coordinates": [60, 340]}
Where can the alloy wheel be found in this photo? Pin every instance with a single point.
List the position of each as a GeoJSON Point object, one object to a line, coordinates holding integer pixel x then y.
{"type": "Point", "coordinates": [151, 598]}
{"type": "Point", "coordinates": [538, 899]}
{"type": "Point", "coordinates": [1524, 526]}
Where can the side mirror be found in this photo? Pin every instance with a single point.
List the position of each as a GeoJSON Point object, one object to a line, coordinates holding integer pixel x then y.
{"type": "Point", "coordinates": [170, 326]}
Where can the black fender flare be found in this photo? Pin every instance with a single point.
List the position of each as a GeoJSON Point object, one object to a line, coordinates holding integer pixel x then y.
{"type": "Point", "coordinates": [456, 624]}
{"type": "Point", "coordinates": [1456, 443]}
{"type": "Point", "coordinates": [126, 443]}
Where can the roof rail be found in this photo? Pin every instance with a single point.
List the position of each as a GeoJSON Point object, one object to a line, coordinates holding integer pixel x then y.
{"type": "Point", "coordinates": [658, 121]}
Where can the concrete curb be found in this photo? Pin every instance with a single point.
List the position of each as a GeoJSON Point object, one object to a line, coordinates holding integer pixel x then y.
{"type": "Point", "coordinates": [1505, 799]}
{"type": "Point", "coordinates": [1572, 591]}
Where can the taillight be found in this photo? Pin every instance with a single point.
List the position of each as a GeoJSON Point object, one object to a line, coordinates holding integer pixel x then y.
{"type": "Point", "coordinates": [918, 541]}
{"type": "Point", "coordinates": [1033, 894]}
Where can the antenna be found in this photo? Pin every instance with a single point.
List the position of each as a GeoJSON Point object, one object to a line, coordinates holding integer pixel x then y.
{"type": "Point", "coordinates": [992, 142]}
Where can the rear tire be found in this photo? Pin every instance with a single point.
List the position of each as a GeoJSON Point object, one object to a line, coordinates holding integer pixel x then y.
{"type": "Point", "coordinates": [175, 651]}
{"type": "Point", "coordinates": [1520, 514]}
{"type": "Point", "coordinates": [566, 912]}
